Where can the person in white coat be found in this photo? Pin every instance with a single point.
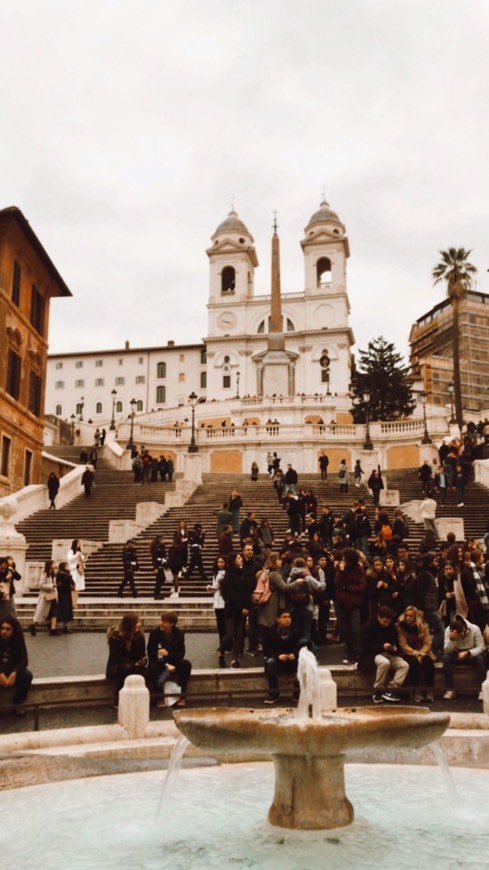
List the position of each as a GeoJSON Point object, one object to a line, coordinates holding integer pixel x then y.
{"type": "Point", "coordinates": [76, 562]}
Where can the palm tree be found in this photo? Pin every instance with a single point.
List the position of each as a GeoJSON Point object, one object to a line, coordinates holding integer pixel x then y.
{"type": "Point", "coordinates": [455, 269]}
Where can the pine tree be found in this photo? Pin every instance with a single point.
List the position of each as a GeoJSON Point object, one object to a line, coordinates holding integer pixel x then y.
{"type": "Point", "coordinates": [382, 374]}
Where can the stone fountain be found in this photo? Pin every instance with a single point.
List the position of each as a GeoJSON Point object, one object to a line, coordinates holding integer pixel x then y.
{"type": "Point", "coordinates": [309, 753]}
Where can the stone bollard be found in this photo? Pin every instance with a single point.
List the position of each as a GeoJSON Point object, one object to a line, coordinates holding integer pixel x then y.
{"type": "Point", "coordinates": [328, 690]}
{"type": "Point", "coordinates": [485, 695]}
{"type": "Point", "coordinates": [134, 706]}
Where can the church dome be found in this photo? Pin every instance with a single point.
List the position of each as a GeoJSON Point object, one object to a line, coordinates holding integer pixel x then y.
{"type": "Point", "coordinates": [323, 215]}
{"type": "Point", "coordinates": [232, 224]}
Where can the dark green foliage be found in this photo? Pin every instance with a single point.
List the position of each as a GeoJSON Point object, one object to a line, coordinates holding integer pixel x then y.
{"type": "Point", "coordinates": [382, 373]}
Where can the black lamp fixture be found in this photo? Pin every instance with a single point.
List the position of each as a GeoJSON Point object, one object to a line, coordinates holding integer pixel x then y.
{"type": "Point", "coordinates": [193, 399]}
{"type": "Point", "coordinates": [367, 444]}
{"type": "Point", "coordinates": [133, 404]}
{"type": "Point", "coordinates": [423, 396]}
{"type": "Point", "coordinates": [112, 422]}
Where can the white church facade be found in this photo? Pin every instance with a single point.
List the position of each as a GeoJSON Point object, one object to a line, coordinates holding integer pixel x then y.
{"type": "Point", "coordinates": [317, 336]}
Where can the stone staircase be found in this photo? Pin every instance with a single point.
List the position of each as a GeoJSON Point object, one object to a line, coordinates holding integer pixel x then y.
{"type": "Point", "coordinates": [116, 497]}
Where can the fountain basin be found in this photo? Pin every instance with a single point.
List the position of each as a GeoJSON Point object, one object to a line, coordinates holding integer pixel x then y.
{"type": "Point", "coordinates": [309, 754]}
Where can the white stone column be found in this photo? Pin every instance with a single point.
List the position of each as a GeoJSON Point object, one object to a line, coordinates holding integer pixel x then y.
{"type": "Point", "coordinates": [192, 467]}
{"type": "Point", "coordinates": [134, 706]}
{"type": "Point", "coordinates": [12, 543]}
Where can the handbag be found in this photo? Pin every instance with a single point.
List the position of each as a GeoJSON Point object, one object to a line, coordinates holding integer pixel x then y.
{"type": "Point", "coordinates": [50, 595]}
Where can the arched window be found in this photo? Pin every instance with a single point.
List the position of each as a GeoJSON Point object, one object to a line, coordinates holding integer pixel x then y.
{"type": "Point", "coordinates": [323, 271]}
{"type": "Point", "coordinates": [288, 323]}
{"type": "Point", "coordinates": [203, 380]}
{"type": "Point", "coordinates": [203, 356]}
{"type": "Point", "coordinates": [228, 279]}
{"type": "Point", "coordinates": [161, 370]}
{"type": "Point", "coordinates": [79, 408]}
{"type": "Point", "coordinates": [98, 408]}
{"type": "Point", "coordinates": [59, 410]}
{"type": "Point", "coordinates": [118, 407]}
{"type": "Point", "coordinates": [139, 406]}
{"type": "Point", "coordinates": [160, 395]}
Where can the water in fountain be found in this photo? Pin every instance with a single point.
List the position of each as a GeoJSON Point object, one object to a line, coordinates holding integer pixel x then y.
{"type": "Point", "coordinates": [173, 768]}
{"type": "Point", "coordinates": [309, 705]}
{"type": "Point", "coordinates": [214, 818]}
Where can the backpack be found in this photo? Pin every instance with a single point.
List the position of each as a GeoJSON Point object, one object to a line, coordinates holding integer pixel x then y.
{"type": "Point", "coordinates": [300, 597]}
{"type": "Point", "coordinates": [262, 592]}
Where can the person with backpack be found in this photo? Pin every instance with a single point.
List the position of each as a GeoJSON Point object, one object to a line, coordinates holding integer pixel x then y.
{"type": "Point", "coordinates": [302, 600]}
{"type": "Point", "coordinates": [272, 593]}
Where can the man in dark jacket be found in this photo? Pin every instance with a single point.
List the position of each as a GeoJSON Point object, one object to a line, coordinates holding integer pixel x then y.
{"type": "Point", "coordinates": [166, 656]}
{"type": "Point", "coordinates": [196, 541]}
{"type": "Point", "coordinates": [281, 650]}
{"type": "Point", "coordinates": [427, 598]}
{"type": "Point", "coordinates": [379, 650]}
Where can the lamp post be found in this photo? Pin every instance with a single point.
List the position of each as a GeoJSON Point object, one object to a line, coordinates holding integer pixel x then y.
{"type": "Point", "coordinates": [450, 393]}
{"type": "Point", "coordinates": [193, 399]}
{"type": "Point", "coordinates": [82, 405]}
{"type": "Point", "coordinates": [72, 418]}
{"type": "Point", "coordinates": [112, 422]}
{"type": "Point", "coordinates": [237, 384]}
{"type": "Point", "coordinates": [130, 443]}
{"type": "Point", "coordinates": [422, 398]}
{"type": "Point", "coordinates": [367, 444]}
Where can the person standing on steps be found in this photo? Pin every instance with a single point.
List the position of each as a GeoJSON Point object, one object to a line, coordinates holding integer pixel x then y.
{"type": "Point", "coordinates": [76, 562]}
{"type": "Point", "coordinates": [47, 603]}
{"type": "Point", "coordinates": [88, 479]}
{"type": "Point", "coordinates": [237, 605]}
{"type": "Point", "coordinates": [53, 489]}
{"type": "Point", "coordinates": [65, 586]}
{"type": "Point", "coordinates": [235, 504]}
{"type": "Point", "coordinates": [130, 564]}
{"type": "Point", "coordinates": [323, 466]}
{"type": "Point", "coordinates": [196, 541]}
{"type": "Point", "coordinates": [158, 558]}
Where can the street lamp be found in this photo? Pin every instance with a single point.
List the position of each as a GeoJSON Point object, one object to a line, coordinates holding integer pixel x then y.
{"type": "Point", "coordinates": [450, 393]}
{"type": "Point", "coordinates": [130, 443]}
{"type": "Point", "coordinates": [72, 418]}
{"type": "Point", "coordinates": [422, 398]}
{"type": "Point", "coordinates": [112, 422]}
{"type": "Point", "coordinates": [237, 384]}
{"type": "Point", "coordinates": [367, 444]}
{"type": "Point", "coordinates": [82, 405]}
{"type": "Point", "coordinates": [193, 399]}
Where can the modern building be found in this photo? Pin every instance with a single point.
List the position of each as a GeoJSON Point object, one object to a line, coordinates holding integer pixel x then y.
{"type": "Point", "coordinates": [28, 281]}
{"type": "Point", "coordinates": [234, 360]}
{"type": "Point", "coordinates": [431, 351]}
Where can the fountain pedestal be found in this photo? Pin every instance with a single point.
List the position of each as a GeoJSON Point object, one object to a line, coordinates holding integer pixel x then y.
{"type": "Point", "coordinates": [310, 793]}
{"type": "Point", "coordinates": [309, 754]}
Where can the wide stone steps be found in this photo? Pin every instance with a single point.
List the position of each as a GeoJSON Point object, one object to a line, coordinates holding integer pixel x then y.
{"type": "Point", "coordinates": [97, 614]}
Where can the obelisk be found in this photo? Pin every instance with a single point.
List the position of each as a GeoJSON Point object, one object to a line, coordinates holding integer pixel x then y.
{"type": "Point", "coordinates": [277, 366]}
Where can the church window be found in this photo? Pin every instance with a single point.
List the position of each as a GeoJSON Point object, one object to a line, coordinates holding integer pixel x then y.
{"type": "Point", "coordinates": [5, 458]}
{"type": "Point", "coordinates": [118, 407]}
{"type": "Point", "coordinates": [161, 370]}
{"type": "Point", "coordinates": [203, 356]}
{"type": "Point", "coordinates": [203, 380]}
{"type": "Point", "coordinates": [323, 271]}
{"type": "Point", "coordinates": [160, 395]}
{"type": "Point", "coordinates": [290, 325]}
{"type": "Point", "coordinates": [98, 408]}
{"type": "Point", "coordinates": [139, 406]}
{"type": "Point", "coordinates": [228, 280]}
{"type": "Point", "coordinates": [59, 410]}
{"type": "Point", "coordinates": [226, 381]}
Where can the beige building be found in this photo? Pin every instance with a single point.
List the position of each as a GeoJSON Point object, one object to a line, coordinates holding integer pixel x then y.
{"type": "Point", "coordinates": [431, 351]}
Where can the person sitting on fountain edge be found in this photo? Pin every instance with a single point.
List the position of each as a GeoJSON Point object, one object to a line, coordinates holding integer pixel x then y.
{"type": "Point", "coordinates": [281, 645]}
{"type": "Point", "coordinates": [379, 650]}
{"type": "Point", "coordinates": [166, 654]}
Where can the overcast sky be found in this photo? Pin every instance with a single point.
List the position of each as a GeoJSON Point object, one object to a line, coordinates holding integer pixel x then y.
{"type": "Point", "coordinates": [128, 127]}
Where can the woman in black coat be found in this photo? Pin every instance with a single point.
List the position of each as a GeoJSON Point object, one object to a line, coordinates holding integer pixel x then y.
{"type": "Point", "coordinates": [127, 650]}
{"type": "Point", "coordinates": [14, 672]}
{"type": "Point", "coordinates": [65, 586]}
{"type": "Point", "coordinates": [53, 489]}
{"type": "Point", "coordinates": [237, 605]}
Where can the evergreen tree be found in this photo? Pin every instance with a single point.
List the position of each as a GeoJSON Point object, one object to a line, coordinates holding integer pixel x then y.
{"type": "Point", "coordinates": [382, 374]}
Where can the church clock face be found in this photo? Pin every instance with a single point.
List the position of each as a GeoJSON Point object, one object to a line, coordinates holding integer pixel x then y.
{"type": "Point", "coordinates": [226, 321]}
